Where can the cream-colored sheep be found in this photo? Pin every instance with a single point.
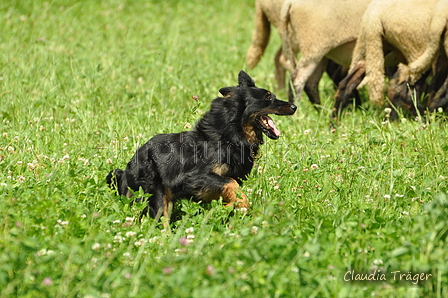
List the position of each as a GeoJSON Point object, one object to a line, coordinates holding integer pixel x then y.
{"type": "Point", "coordinates": [436, 38]}
{"type": "Point", "coordinates": [319, 28]}
{"type": "Point", "coordinates": [433, 58]}
{"type": "Point", "coordinates": [401, 25]}
{"type": "Point", "coordinates": [267, 12]}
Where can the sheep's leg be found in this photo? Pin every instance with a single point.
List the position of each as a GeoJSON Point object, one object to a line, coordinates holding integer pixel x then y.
{"type": "Point", "coordinates": [303, 71]}
{"type": "Point", "coordinates": [440, 73]}
{"type": "Point", "coordinates": [312, 85]}
{"type": "Point", "coordinates": [419, 88]}
{"type": "Point", "coordinates": [337, 73]}
{"type": "Point", "coordinates": [399, 94]}
{"type": "Point", "coordinates": [260, 37]}
{"type": "Point", "coordinates": [440, 100]}
{"type": "Point", "coordinates": [280, 70]}
{"type": "Point", "coordinates": [347, 89]}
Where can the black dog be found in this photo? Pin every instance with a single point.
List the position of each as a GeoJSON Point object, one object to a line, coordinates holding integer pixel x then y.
{"type": "Point", "coordinates": [210, 161]}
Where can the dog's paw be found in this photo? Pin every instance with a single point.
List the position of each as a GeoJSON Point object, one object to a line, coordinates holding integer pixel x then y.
{"type": "Point", "coordinates": [240, 205]}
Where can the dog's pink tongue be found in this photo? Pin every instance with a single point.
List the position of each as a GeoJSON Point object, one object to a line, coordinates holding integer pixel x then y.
{"type": "Point", "coordinates": [272, 126]}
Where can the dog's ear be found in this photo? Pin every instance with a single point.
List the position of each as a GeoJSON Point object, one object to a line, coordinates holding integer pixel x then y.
{"type": "Point", "coordinates": [226, 91]}
{"type": "Point", "coordinates": [244, 80]}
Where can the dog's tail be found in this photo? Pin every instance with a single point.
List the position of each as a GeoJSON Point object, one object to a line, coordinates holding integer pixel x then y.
{"type": "Point", "coordinates": [260, 37]}
{"type": "Point", "coordinates": [117, 181]}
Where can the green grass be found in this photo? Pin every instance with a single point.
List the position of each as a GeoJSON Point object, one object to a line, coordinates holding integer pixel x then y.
{"type": "Point", "coordinates": [83, 84]}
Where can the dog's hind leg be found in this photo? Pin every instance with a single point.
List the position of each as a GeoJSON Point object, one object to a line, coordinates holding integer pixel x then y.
{"type": "Point", "coordinates": [159, 204]}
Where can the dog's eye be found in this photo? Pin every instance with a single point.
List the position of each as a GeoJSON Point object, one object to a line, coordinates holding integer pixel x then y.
{"type": "Point", "coordinates": [269, 96]}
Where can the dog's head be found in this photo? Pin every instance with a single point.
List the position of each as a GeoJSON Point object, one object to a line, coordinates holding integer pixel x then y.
{"type": "Point", "coordinates": [256, 104]}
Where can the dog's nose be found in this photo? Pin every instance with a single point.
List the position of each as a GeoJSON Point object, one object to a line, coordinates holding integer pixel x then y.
{"type": "Point", "coordinates": [293, 108]}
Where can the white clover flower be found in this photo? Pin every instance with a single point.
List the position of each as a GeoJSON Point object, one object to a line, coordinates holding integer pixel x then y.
{"type": "Point", "coordinates": [153, 239]}
{"type": "Point", "coordinates": [130, 234]}
{"type": "Point", "coordinates": [254, 230]}
{"type": "Point", "coordinates": [96, 246]}
{"type": "Point", "coordinates": [118, 239]}
{"type": "Point", "coordinates": [189, 230]}
{"type": "Point", "coordinates": [41, 252]}
{"type": "Point", "coordinates": [377, 262]}
{"type": "Point", "coordinates": [140, 242]}
{"type": "Point", "coordinates": [32, 165]}
{"type": "Point", "coordinates": [241, 209]}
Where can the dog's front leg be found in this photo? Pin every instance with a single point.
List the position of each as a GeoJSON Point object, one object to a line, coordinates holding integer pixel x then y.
{"type": "Point", "coordinates": [233, 196]}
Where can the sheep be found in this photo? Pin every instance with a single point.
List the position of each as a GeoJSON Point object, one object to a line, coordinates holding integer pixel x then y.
{"type": "Point", "coordinates": [437, 39]}
{"type": "Point", "coordinates": [319, 28]}
{"type": "Point", "coordinates": [401, 26]}
{"type": "Point", "coordinates": [439, 20]}
{"type": "Point", "coordinates": [269, 12]}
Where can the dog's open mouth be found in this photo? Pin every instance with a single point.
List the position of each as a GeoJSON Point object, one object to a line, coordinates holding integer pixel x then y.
{"type": "Point", "coordinates": [268, 127]}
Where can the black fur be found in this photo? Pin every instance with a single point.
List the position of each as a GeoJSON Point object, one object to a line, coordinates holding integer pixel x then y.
{"type": "Point", "coordinates": [211, 160]}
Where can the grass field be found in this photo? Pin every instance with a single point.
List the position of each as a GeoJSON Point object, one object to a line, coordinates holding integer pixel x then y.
{"type": "Point", "coordinates": [84, 83]}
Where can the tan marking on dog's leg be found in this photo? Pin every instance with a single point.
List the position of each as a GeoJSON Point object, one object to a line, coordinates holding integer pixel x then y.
{"type": "Point", "coordinates": [230, 196]}
{"type": "Point", "coordinates": [167, 207]}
